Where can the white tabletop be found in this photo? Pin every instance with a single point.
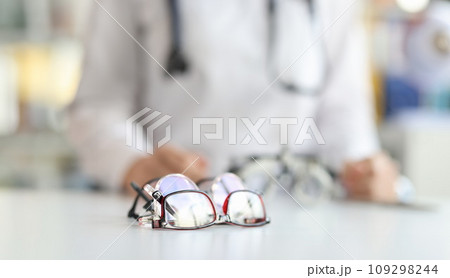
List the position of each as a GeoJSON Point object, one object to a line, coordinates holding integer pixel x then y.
{"type": "Point", "coordinates": [85, 225]}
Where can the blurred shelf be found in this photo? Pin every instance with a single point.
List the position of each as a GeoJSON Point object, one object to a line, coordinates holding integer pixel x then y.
{"type": "Point", "coordinates": [38, 160]}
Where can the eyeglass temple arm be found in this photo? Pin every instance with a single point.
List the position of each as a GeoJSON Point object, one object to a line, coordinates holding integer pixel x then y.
{"type": "Point", "coordinates": [157, 195]}
{"type": "Point", "coordinates": [132, 212]}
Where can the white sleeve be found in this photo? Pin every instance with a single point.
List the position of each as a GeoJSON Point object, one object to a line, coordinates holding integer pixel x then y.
{"type": "Point", "coordinates": [107, 95]}
{"type": "Point", "coordinates": [346, 111]}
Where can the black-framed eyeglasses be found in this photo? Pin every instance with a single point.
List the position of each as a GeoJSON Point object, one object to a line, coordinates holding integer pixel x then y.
{"type": "Point", "coordinates": [303, 176]}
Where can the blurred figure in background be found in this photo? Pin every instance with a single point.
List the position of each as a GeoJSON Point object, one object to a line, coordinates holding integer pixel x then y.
{"type": "Point", "coordinates": [224, 57]}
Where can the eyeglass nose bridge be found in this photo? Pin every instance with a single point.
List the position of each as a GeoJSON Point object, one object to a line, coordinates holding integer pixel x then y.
{"type": "Point", "coordinates": [223, 218]}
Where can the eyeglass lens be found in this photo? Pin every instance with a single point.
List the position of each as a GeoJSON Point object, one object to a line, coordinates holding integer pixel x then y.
{"type": "Point", "coordinates": [189, 210]}
{"type": "Point", "coordinates": [175, 183]}
{"type": "Point", "coordinates": [245, 208]}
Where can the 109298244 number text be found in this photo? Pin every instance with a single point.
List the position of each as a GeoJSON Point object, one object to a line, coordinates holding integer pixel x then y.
{"type": "Point", "coordinates": [403, 269]}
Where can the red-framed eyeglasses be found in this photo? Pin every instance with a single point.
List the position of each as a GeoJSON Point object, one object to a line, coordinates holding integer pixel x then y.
{"type": "Point", "coordinates": [181, 205]}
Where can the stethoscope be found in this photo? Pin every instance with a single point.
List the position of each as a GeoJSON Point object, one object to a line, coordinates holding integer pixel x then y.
{"type": "Point", "coordinates": [177, 63]}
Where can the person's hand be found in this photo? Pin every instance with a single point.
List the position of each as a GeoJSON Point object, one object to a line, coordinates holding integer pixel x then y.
{"type": "Point", "coordinates": [165, 160]}
{"type": "Point", "coordinates": [372, 179]}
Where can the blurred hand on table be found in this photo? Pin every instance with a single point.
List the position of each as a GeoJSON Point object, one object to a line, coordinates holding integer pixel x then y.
{"type": "Point", "coordinates": [166, 160]}
{"type": "Point", "coordinates": [372, 179]}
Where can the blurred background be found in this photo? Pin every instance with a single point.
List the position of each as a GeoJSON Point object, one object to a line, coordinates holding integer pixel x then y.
{"type": "Point", "coordinates": [41, 53]}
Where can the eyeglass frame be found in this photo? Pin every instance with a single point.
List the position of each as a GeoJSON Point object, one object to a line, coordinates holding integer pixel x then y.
{"type": "Point", "coordinates": [286, 167]}
{"type": "Point", "coordinates": [159, 221]}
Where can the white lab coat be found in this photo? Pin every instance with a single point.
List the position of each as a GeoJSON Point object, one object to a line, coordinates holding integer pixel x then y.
{"type": "Point", "coordinates": [226, 45]}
